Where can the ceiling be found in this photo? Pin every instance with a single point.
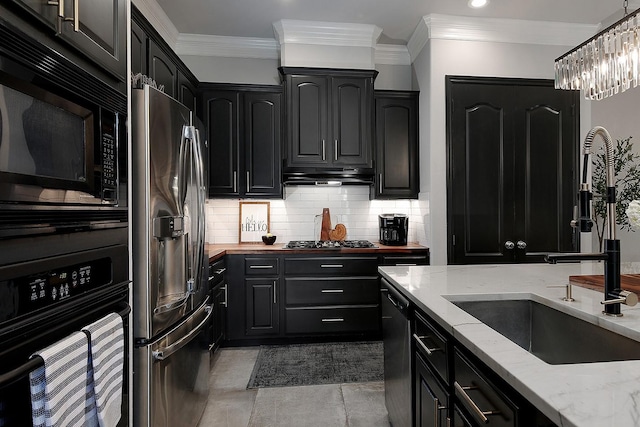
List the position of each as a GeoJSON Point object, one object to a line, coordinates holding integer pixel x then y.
{"type": "Point", "coordinates": [397, 18]}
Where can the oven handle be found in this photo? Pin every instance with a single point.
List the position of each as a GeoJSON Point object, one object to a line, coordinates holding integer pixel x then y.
{"type": "Point", "coordinates": [35, 362]}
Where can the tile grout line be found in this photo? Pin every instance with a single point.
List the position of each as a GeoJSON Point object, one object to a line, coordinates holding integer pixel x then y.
{"type": "Point", "coordinates": [344, 405]}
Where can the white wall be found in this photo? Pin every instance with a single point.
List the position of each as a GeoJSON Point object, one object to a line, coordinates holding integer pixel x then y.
{"type": "Point", "coordinates": [233, 70]}
{"type": "Point", "coordinates": [448, 57]}
{"type": "Point", "coordinates": [620, 116]}
{"type": "Point", "coordinates": [293, 218]}
{"type": "Point", "coordinates": [393, 77]}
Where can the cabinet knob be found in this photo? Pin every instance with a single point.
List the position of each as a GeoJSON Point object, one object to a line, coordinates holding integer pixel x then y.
{"type": "Point", "coordinates": [509, 245]}
{"type": "Point", "coordinates": [521, 244]}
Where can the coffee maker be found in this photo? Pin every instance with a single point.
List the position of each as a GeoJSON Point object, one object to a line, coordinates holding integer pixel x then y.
{"type": "Point", "coordinates": [393, 229]}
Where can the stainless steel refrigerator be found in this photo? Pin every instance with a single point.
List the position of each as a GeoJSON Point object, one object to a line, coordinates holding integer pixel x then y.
{"type": "Point", "coordinates": [170, 303]}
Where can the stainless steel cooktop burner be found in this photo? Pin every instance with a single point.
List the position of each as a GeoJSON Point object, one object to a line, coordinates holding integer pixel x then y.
{"type": "Point", "coordinates": [329, 244]}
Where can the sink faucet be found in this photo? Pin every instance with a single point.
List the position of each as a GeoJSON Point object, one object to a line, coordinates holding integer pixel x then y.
{"type": "Point", "coordinates": [613, 294]}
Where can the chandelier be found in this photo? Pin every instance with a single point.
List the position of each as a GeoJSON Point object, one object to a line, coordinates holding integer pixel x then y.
{"type": "Point", "coordinates": [606, 64]}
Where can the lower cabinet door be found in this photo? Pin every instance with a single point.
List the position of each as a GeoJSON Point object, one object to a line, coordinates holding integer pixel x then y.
{"type": "Point", "coordinates": [432, 402]}
{"type": "Point", "coordinates": [262, 306]}
{"type": "Point", "coordinates": [459, 419]}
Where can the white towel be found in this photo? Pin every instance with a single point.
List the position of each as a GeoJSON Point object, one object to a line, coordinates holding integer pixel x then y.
{"type": "Point", "coordinates": [58, 389]}
{"type": "Point", "coordinates": [106, 349]}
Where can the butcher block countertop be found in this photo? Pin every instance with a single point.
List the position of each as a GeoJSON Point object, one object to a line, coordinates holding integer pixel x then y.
{"type": "Point", "coordinates": [571, 395]}
{"type": "Point", "coordinates": [628, 282]}
{"type": "Point", "coordinates": [219, 250]}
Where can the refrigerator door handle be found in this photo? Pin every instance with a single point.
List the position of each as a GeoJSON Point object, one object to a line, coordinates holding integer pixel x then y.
{"type": "Point", "coordinates": [165, 352]}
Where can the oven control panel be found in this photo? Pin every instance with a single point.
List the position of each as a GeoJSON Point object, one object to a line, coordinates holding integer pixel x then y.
{"type": "Point", "coordinates": [38, 290]}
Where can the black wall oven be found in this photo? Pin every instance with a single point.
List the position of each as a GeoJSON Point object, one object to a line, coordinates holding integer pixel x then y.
{"type": "Point", "coordinates": [63, 156]}
{"type": "Point", "coordinates": [43, 301]}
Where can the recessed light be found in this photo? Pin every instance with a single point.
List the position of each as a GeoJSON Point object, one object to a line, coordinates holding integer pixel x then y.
{"type": "Point", "coordinates": [478, 3]}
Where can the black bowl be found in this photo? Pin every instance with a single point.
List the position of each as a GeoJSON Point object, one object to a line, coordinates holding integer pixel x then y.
{"type": "Point", "coordinates": [269, 240]}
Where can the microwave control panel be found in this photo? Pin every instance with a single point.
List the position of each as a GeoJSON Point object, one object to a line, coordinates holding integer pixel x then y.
{"type": "Point", "coordinates": [109, 152]}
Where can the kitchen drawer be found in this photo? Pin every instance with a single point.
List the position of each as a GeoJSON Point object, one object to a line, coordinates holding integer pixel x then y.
{"type": "Point", "coordinates": [328, 320]}
{"type": "Point", "coordinates": [331, 291]}
{"type": "Point", "coordinates": [333, 266]}
{"type": "Point", "coordinates": [265, 266]}
{"type": "Point", "coordinates": [421, 259]}
{"type": "Point", "coordinates": [432, 345]}
{"type": "Point", "coordinates": [479, 397]}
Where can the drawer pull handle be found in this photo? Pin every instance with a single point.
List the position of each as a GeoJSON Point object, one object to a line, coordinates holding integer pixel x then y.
{"type": "Point", "coordinates": [428, 350]}
{"type": "Point", "coordinates": [481, 414]}
{"type": "Point", "coordinates": [331, 265]}
{"type": "Point", "coordinates": [336, 319]}
{"type": "Point", "coordinates": [258, 267]}
{"type": "Point", "coordinates": [332, 291]}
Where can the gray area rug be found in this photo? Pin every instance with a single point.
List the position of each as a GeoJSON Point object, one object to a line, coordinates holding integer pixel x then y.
{"type": "Point", "coordinates": [312, 364]}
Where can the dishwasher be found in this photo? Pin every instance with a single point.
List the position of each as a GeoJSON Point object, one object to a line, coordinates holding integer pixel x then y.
{"type": "Point", "coordinates": [397, 356]}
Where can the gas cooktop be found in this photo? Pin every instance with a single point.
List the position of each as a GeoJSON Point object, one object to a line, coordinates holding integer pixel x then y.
{"type": "Point", "coordinates": [329, 244]}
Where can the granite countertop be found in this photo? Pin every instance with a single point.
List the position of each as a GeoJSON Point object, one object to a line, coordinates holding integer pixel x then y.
{"type": "Point", "coordinates": [219, 250]}
{"type": "Point", "coordinates": [579, 395]}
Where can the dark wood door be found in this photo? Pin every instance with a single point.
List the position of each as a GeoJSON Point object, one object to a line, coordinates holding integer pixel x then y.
{"type": "Point", "coordinates": [351, 122]}
{"type": "Point", "coordinates": [99, 30]}
{"type": "Point", "coordinates": [262, 306]}
{"type": "Point", "coordinates": [162, 69]}
{"type": "Point", "coordinates": [138, 49]}
{"type": "Point", "coordinates": [262, 141]}
{"type": "Point", "coordinates": [221, 113]}
{"type": "Point", "coordinates": [512, 158]}
{"type": "Point", "coordinates": [187, 92]}
{"type": "Point", "coordinates": [397, 169]}
{"type": "Point", "coordinates": [308, 127]}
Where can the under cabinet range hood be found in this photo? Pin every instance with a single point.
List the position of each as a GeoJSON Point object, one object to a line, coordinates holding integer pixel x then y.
{"type": "Point", "coordinates": [328, 177]}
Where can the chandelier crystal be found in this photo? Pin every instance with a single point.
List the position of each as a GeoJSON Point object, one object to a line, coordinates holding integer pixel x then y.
{"type": "Point", "coordinates": [604, 65]}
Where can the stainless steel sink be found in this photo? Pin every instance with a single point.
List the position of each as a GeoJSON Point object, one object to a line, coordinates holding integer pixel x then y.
{"type": "Point", "coordinates": [551, 335]}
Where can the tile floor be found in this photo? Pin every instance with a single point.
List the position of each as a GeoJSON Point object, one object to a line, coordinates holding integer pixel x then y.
{"type": "Point", "coordinates": [332, 405]}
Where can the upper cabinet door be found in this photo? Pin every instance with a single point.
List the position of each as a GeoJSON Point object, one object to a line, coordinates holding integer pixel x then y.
{"type": "Point", "coordinates": [397, 167]}
{"type": "Point", "coordinates": [162, 69]}
{"type": "Point", "coordinates": [351, 121]}
{"type": "Point", "coordinates": [308, 143]}
{"type": "Point", "coordinates": [138, 49]}
{"type": "Point", "coordinates": [97, 28]}
{"type": "Point", "coordinates": [262, 138]}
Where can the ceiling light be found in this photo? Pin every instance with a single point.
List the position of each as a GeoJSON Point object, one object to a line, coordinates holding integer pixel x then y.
{"type": "Point", "coordinates": [478, 3]}
{"type": "Point", "coordinates": [606, 64]}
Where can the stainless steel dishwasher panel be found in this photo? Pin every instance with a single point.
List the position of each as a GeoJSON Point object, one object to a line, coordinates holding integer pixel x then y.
{"type": "Point", "coordinates": [397, 356]}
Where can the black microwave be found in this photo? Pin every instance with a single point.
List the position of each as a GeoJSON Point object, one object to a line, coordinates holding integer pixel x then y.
{"type": "Point", "coordinates": [63, 150]}
{"type": "Point", "coordinates": [55, 150]}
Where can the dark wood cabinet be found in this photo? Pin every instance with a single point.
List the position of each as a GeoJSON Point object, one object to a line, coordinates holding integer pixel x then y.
{"type": "Point", "coordinates": [329, 118]}
{"type": "Point", "coordinates": [161, 68]}
{"type": "Point", "coordinates": [138, 49]}
{"type": "Point", "coordinates": [512, 169]}
{"type": "Point", "coordinates": [431, 400]}
{"type": "Point", "coordinates": [327, 295]}
{"type": "Point", "coordinates": [262, 306]}
{"type": "Point", "coordinates": [96, 28]}
{"type": "Point", "coordinates": [152, 56]}
{"type": "Point", "coordinates": [218, 299]}
{"type": "Point", "coordinates": [396, 131]}
{"type": "Point", "coordinates": [244, 124]}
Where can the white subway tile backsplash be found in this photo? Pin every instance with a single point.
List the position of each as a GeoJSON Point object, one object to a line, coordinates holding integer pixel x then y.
{"type": "Point", "coordinates": [294, 217]}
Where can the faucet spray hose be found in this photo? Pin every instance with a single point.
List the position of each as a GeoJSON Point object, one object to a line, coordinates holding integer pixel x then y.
{"type": "Point", "coordinates": [611, 183]}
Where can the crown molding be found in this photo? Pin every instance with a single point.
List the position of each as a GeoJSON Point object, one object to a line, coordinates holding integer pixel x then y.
{"type": "Point", "coordinates": [448, 27]}
{"type": "Point", "coordinates": [233, 47]}
{"type": "Point", "coordinates": [160, 21]}
{"type": "Point", "coordinates": [326, 33]}
{"type": "Point", "coordinates": [391, 54]}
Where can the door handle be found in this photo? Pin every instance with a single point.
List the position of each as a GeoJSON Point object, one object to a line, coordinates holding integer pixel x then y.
{"type": "Point", "coordinates": [335, 153]}
{"type": "Point", "coordinates": [521, 244]}
{"type": "Point", "coordinates": [509, 245]}
{"type": "Point", "coordinates": [167, 351]}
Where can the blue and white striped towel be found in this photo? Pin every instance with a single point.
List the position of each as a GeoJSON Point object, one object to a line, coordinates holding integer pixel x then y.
{"type": "Point", "coordinates": [106, 349]}
{"type": "Point", "coordinates": [58, 389]}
